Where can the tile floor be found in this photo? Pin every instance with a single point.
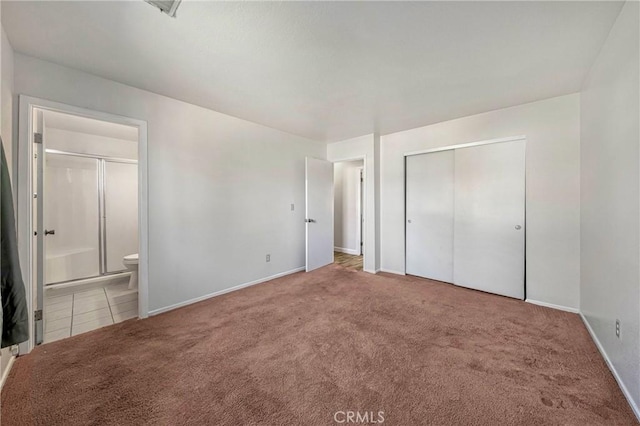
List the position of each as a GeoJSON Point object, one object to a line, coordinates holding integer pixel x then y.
{"type": "Point", "coordinates": [87, 309]}
{"type": "Point", "coordinates": [348, 260]}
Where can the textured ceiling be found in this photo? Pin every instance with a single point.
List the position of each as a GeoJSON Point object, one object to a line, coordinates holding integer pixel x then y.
{"type": "Point", "coordinates": [326, 70]}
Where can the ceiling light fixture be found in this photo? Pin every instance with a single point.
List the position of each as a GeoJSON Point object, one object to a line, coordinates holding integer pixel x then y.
{"type": "Point", "coordinates": [166, 6]}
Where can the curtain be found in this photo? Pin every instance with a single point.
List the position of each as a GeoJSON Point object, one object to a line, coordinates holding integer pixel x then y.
{"type": "Point", "coordinates": [15, 319]}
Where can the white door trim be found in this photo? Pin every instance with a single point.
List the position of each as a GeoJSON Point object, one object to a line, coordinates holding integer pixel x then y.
{"type": "Point", "coordinates": [360, 211]}
{"type": "Point", "coordinates": [24, 196]}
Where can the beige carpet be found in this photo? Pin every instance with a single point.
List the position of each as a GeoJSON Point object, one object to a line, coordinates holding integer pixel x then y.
{"type": "Point", "coordinates": [299, 349]}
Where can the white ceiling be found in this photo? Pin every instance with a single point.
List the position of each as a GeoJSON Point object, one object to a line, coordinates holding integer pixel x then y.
{"type": "Point", "coordinates": [326, 70]}
{"type": "Point", "coordinates": [74, 123]}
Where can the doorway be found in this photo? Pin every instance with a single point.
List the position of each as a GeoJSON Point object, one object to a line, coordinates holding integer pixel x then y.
{"type": "Point", "coordinates": [87, 234]}
{"type": "Point", "coordinates": [348, 183]}
{"type": "Point", "coordinates": [333, 191]}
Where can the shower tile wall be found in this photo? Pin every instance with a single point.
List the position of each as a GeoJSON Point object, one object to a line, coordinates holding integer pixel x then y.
{"type": "Point", "coordinates": [85, 310]}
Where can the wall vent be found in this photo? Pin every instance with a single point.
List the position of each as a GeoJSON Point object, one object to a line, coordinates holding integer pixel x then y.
{"type": "Point", "coordinates": [167, 6]}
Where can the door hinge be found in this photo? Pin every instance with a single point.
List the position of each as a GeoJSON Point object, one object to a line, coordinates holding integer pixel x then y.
{"type": "Point", "coordinates": [37, 138]}
{"type": "Point", "coordinates": [37, 315]}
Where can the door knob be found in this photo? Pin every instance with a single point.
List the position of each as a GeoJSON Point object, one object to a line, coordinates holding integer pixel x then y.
{"type": "Point", "coordinates": [49, 232]}
{"type": "Point", "coordinates": [409, 221]}
{"type": "Point", "coordinates": [310, 220]}
{"type": "Point", "coordinates": [518, 227]}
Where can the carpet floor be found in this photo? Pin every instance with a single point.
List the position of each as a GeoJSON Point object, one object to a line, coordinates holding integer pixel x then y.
{"type": "Point", "coordinates": [299, 349]}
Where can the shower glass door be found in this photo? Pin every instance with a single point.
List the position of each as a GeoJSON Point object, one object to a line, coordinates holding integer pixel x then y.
{"type": "Point", "coordinates": [72, 221]}
{"type": "Point", "coordinates": [120, 212]}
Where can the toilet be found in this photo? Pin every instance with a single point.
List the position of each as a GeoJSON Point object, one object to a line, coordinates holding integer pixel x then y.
{"type": "Point", "coordinates": [131, 263]}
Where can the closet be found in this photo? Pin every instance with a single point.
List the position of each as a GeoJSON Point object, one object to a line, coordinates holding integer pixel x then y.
{"type": "Point", "coordinates": [465, 216]}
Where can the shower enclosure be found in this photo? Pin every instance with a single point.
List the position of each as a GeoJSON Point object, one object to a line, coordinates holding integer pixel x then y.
{"type": "Point", "coordinates": [90, 215]}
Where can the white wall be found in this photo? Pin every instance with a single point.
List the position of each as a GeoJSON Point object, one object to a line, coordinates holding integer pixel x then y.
{"type": "Point", "coordinates": [610, 232]}
{"type": "Point", "coordinates": [346, 184]}
{"type": "Point", "coordinates": [362, 147]}
{"type": "Point", "coordinates": [84, 143]}
{"type": "Point", "coordinates": [552, 129]}
{"type": "Point", "coordinates": [220, 188]}
{"type": "Point", "coordinates": [6, 97]}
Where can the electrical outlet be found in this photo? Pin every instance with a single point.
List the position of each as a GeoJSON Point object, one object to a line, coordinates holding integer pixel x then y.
{"type": "Point", "coordinates": [618, 328]}
{"type": "Point", "coordinates": [268, 258]}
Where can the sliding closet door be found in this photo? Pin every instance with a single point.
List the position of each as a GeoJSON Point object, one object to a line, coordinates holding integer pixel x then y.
{"type": "Point", "coordinates": [489, 218]}
{"type": "Point", "coordinates": [430, 189]}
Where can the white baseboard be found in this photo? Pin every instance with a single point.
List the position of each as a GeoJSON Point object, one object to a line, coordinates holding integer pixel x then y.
{"type": "Point", "coordinates": [225, 291]}
{"type": "Point", "coordinates": [625, 391]}
{"type": "Point", "coordinates": [552, 306]}
{"type": "Point", "coordinates": [390, 271]}
{"type": "Point", "coordinates": [6, 371]}
{"type": "Point", "coordinates": [346, 251]}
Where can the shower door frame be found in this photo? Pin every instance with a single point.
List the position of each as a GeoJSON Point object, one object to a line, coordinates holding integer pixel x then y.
{"type": "Point", "coordinates": [102, 226]}
{"type": "Point", "coordinates": [26, 188]}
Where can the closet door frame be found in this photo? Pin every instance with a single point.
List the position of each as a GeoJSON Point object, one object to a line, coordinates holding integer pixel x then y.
{"type": "Point", "coordinates": [459, 146]}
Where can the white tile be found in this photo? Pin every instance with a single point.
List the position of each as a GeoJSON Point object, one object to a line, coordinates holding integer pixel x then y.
{"type": "Point", "coordinates": [92, 298]}
{"type": "Point", "coordinates": [121, 298]}
{"type": "Point", "coordinates": [118, 285]}
{"type": "Point", "coordinates": [124, 307]}
{"type": "Point", "coordinates": [58, 299]}
{"type": "Point", "coordinates": [88, 293]}
{"type": "Point", "coordinates": [56, 315]}
{"type": "Point", "coordinates": [82, 306]}
{"type": "Point", "coordinates": [57, 335]}
{"type": "Point", "coordinates": [91, 316]}
{"type": "Point", "coordinates": [57, 324]}
{"type": "Point", "coordinates": [91, 325]}
{"type": "Point", "coordinates": [51, 307]}
{"type": "Point", "coordinates": [119, 289]}
{"type": "Point", "coordinates": [123, 316]}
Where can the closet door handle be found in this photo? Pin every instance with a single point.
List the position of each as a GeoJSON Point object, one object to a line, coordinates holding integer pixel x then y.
{"type": "Point", "coordinates": [49, 232]}
{"type": "Point", "coordinates": [518, 227]}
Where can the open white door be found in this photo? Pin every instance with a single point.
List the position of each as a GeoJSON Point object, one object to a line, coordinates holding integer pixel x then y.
{"type": "Point", "coordinates": [319, 213]}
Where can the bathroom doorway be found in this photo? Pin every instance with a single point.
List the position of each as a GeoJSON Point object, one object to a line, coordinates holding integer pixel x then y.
{"type": "Point", "coordinates": [86, 229]}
